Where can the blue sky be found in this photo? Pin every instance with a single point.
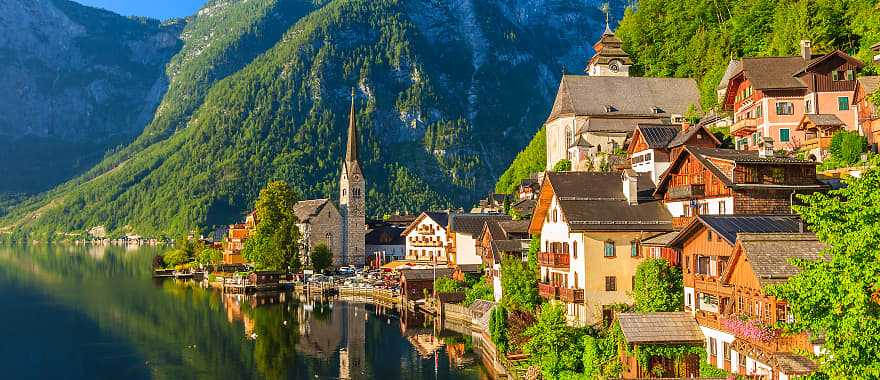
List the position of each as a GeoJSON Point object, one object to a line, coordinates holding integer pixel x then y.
{"type": "Point", "coordinates": [160, 9]}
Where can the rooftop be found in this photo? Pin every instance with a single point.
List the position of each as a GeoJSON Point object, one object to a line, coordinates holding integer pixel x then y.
{"type": "Point", "coordinates": [770, 254]}
{"type": "Point", "coordinates": [671, 327]}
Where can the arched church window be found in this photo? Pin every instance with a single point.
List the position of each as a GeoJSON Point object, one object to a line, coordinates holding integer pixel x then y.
{"type": "Point", "coordinates": [344, 191]}
{"type": "Point", "coordinates": [329, 238]}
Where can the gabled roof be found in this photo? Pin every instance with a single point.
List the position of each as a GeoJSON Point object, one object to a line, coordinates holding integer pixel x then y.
{"type": "Point", "coordinates": [705, 156]}
{"type": "Point", "coordinates": [385, 235]}
{"type": "Point", "coordinates": [661, 240]}
{"type": "Point", "coordinates": [658, 136]}
{"type": "Point", "coordinates": [306, 210]}
{"type": "Point", "coordinates": [729, 226]}
{"type": "Point", "coordinates": [425, 274]}
{"type": "Point", "coordinates": [660, 328]}
{"type": "Point", "coordinates": [595, 202]}
{"type": "Point", "coordinates": [439, 217]}
{"type": "Point", "coordinates": [821, 120]}
{"type": "Point", "coordinates": [581, 142]}
{"type": "Point", "coordinates": [772, 73]}
{"type": "Point", "coordinates": [684, 136]}
{"type": "Point", "coordinates": [870, 84]}
{"type": "Point", "coordinates": [770, 254]}
{"type": "Point", "coordinates": [816, 61]}
{"type": "Point", "coordinates": [580, 95]}
{"type": "Point", "coordinates": [514, 226]}
{"type": "Point", "coordinates": [472, 224]}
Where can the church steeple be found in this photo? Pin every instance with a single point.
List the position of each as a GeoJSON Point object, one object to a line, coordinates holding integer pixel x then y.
{"type": "Point", "coordinates": [351, 151]}
{"type": "Point", "coordinates": [610, 59]}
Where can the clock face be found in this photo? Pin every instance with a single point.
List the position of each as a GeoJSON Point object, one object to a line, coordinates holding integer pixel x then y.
{"type": "Point", "coordinates": [356, 177]}
{"type": "Point", "coordinates": [614, 67]}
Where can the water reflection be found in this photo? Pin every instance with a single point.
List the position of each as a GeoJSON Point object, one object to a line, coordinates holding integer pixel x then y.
{"type": "Point", "coordinates": [103, 299]}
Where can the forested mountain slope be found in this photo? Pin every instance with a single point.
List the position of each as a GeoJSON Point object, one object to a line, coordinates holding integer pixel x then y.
{"type": "Point", "coordinates": [447, 92]}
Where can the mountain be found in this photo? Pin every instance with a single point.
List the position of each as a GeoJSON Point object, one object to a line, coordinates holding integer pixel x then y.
{"type": "Point", "coordinates": [75, 82]}
{"type": "Point", "coordinates": [447, 92]}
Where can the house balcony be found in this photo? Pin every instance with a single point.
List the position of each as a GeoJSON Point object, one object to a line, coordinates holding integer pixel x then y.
{"type": "Point", "coordinates": [693, 190]}
{"type": "Point", "coordinates": [553, 260]}
{"type": "Point", "coordinates": [571, 295]}
{"type": "Point", "coordinates": [426, 243]}
{"type": "Point", "coordinates": [679, 222]}
{"type": "Point", "coordinates": [548, 291]}
{"type": "Point", "coordinates": [744, 127]}
{"type": "Point", "coordinates": [813, 142]}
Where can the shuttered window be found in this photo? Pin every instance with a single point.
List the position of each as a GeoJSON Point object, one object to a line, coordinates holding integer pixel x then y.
{"type": "Point", "coordinates": [610, 283]}
{"type": "Point", "coordinates": [784, 135]}
{"type": "Point", "coordinates": [843, 103]}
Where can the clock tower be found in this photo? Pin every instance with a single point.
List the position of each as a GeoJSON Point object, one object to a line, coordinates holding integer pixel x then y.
{"type": "Point", "coordinates": [610, 60]}
{"type": "Point", "coordinates": [351, 199]}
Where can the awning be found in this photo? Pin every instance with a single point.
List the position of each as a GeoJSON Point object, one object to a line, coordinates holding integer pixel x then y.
{"type": "Point", "coordinates": [394, 265]}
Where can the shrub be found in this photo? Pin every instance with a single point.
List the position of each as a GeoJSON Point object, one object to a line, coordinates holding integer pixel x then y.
{"type": "Point", "coordinates": [847, 147]}
{"type": "Point", "coordinates": [562, 166]}
{"type": "Point", "coordinates": [447, 285]}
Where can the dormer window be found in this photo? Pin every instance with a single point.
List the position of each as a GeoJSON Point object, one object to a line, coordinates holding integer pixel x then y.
{"type": "Point", "coordinates": [656, 110]}
{"type": "Point", "coordinates": [610, 108]}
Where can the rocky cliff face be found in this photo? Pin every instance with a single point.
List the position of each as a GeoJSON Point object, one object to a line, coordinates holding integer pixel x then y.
{"type": "Point", "coordinates": [448, 91]}
{"type": "Point", "coordinates": [74, 82]}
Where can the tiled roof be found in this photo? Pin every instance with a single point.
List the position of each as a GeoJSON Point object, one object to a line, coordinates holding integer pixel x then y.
{"type": "Point", "coordinates": [793, 364]}
{"type": "Point", "coordinates": [440, 217]}
{"type": "Point", "coordinates": [627, 96]}
{"type": "Point", "coordinates": [766, 73]}
{"type": "Point", "coordinates": [595, 201]}
{"type": "Point", "coordinates": [745, 157]}
{"type": "Point", "coordinates": [870, 83]}
{"type": "Point", "coordinates": [470, 268]}
{"type": "Point", "coordinates": [305, 210]}
{"type": "Point", "coordinates": [514, 227]}
{"type": "Point", "coordinates": [769, 254]}
{"type": "Point", "coordinates": [620, 125]}
{"type": "Point", "coordinates": [472, 224]}
{"type": "Point", "coordinates": [683, 137]}
{"type": "Point", "coordinates": [824, 119]}
{"type": "Point", "coordinates": [660, 240]}
{"type": "Point", "coordinates": [385, 235]}
{"type": "Point", "coordinates": [524, 207]}
{"type": "Point", "coordinates": [425, 274]}
{"type": "Point", "coordinates": [672, 327]}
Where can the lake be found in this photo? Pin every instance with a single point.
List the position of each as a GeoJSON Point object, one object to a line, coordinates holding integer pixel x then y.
{"type": "Point", "coordinates": [73, 312]}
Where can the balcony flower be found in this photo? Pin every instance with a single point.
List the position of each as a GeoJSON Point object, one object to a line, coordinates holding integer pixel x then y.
{"type": "Point", "coordinates": [750, 329]}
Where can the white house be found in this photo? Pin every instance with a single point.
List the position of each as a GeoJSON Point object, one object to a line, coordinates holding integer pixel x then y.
{"type": "Point", "coordinates": [426, 238]}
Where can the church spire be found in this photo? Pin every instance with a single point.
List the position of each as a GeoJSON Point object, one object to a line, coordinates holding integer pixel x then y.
{"type": "Point", "coordinates": [606, 8]}
{"type": "Point", "coordinates": [351, 152]}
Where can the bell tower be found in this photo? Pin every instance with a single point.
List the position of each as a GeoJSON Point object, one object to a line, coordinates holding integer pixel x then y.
{"type": "Point", "coordinates": [351, 198]}
{"type": "Point", "coordinates": [610, 60]}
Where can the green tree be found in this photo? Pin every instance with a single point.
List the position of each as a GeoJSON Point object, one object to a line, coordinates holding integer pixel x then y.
{"type": "Point", "coordinates": [480, 290]}
{"type": "Point", "coordinates": [322, 258]}
{"type": "Point", "coordinates": [276, 240]}
{"type": "Point", "coordinates": [534, 248]}
{"type": "Point", "coordinates": [551, 340]}
{"type": "Point", "coordinates": [840, 294]}
{"type": "Point", "coordinates": [530, 160]}
{"type": "Point", "coordinates": [519, 285]}
{"type": "Point", "coordinates": [601, 359]}
{"type": "Point", "coordinates": [562, 166]}
{"type": "Point", "coordinates": [847, 147]}
{"type": "Point", "coordinates": [447, 285]}
{"type": "Point", "coordinates": [210, 256]}
{"type": "Point", "coordinates": [176, 257]}
{"type": "Point", "coordinates": [498, 328]}
{"type": "Point", "coordinates": [658, 287]}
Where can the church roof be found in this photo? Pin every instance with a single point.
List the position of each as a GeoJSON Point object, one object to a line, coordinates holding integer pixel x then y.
{"type": "Point", "coordinates": [621, 97]}
{"type": "Point", "coordinates": [351, 151]}
{"type": "Point", "coordinates": [306, 210]}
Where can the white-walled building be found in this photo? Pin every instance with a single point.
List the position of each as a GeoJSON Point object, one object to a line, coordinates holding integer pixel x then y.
{"type": "Point", "coordinates": [426, 238]}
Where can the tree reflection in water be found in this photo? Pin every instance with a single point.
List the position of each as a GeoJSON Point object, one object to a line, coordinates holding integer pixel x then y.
{"type": "Point", "coordinates": [181, 330]}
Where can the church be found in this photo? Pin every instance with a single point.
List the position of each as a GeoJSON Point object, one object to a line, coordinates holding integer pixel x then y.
{"type": "Point", "coordinates": [343, 229]}
{"type": "Point", "coordinates": [595, 114]}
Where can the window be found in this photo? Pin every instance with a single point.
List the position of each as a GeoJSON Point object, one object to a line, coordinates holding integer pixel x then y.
{"type": "Point", "coordinates": [722, 207]}
{"type": "Point", "coordinates": [633, 284]}
{"type": "Point", "coordinates": [808, 106]}
{"type": "Point", "coordinates": [843, 103]}
{"type": "Point", "coordinates": [574, 249]}
{"type": "Point", "coordinates": [784, 135]}
{"type": "Point", "coordinates": [835, 75]}
{"type": "Point", "coordinates": [850, 75]}
{"type": "Point", "coordinates": [759, 111]}
{"type": "Point", "coordinates": [690, 299]}
{"type": "Point", "coordinates": [741, 361]}
{"type": "Point", "coordinates": [609, 249]}
{"type": "Point", "coordinates": [726, 351]}
{"type": "Point", "coordinates": [634, 248]}
{"type": "Point", "coordinates": [713, 346]}
{"type": "Point", "coordinates": [610, 283]}
{"type": "Point", "coordinates": [709, 235]}
{"type": "Point", "coordinates": [784, 108]}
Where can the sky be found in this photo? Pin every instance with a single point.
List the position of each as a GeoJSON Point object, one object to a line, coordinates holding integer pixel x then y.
{"type": "Point", "coordinates": [159, 9]}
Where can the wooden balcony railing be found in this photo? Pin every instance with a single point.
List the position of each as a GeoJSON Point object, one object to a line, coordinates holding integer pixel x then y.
{"type": "Point", "coordinates": [548, 291]}
{"type": "Point", "coordinates": [744, 127]}
{"type": "Point", "coordinates": [693, 190]}
{"type": "Point", "coordinates": [426, 243]}
{"type": "Point", "coordinates": [553, 260]}
{"type": "Point", "coordinates": [571, 295]}
{"type": "Point", "coordinates": [679, 222]}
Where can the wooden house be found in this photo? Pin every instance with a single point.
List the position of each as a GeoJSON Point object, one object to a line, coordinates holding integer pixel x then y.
{"type": "Point", "coordinates": [415, 282]}
{"type": "Point", "coordinates": [868, 112]}
{"type": "Point", "coordinates": [711, 181]}
{"type": "Point", "coordinates": [498, 240]}
{"type": "Point", "coordinates": [818, 131]}
{"type": "Point", "coordinates": [653, 146]}
{"type": "Point", "coordinates": [646, 329]}
{"type": "Point", "coordinates": [769, 95]}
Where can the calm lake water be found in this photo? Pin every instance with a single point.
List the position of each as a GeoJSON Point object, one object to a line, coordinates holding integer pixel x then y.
{"type": "Point", "coordinates": [95, 313]}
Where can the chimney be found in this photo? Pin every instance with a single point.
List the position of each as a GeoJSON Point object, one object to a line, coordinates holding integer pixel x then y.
{"type": "Point", "coordinates": [806, 51]}
{"type": "Point", "coordinates": [685, 125]}
{"type": "Point", "coordinates": [631, 186]}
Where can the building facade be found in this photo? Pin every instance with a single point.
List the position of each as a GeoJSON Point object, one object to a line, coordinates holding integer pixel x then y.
{"type": "Point", "coordinates": [770, 95]}
{"type": "Point", "coordinates": [319, 223]}
{"type": "Point", "coordinates": [426, 239]}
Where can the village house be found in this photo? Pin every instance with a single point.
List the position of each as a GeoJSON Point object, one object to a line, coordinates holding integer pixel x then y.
{"type": "Point", "coordinates": [653, 146]}
{"type": "Point", "coordinates": [499, 240]}
{"type": "Point", "coordinates": [593, 115]}
{"type": "Point", "coordinates": [818, 132]}
{"type": "Point", "coordinates": [416, 283]}
{"type": "Point", "coordinates": [868, 112]}
{"type": "Point", "coordinates": [463, 234]}
{"type": "Point", "coordinates": [384, 243]}
{"type": "Point", "coordinates": [528, 189]}
{"type": "Point", "coordinates": [492, 204]}
{"type": "Point", "coordinates": [591, 225]}
{"type": "Point", "coordinates": [711, 181]}
{"type": "Point", "coordinates": [737, 316]}
{"type": "Point", "coordinates": [657, 247]}
{"type": "Point", "coordinates": [426, 238]}
{"type": "Point", "coordinates": [770, 95]}
{"type": "Point", "coordinates": [706, 246]}
{"type": "Point", "coordinates": [319, 223]}
{"type": "Point", "coordinates": [659, 329]}
{"type": "Point", "coordinates": [236, 236]}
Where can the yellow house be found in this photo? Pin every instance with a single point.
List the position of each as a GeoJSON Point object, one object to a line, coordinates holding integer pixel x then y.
{"type": "Point", "coordinates": [591, 225]}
